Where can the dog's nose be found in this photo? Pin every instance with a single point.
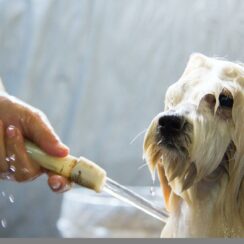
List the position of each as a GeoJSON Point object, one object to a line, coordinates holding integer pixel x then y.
{"type": "Point", "coordinates": [170, 125]}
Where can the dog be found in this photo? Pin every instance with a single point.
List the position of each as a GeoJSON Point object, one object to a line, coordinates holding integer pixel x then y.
{"type": "Point", "coordinates": [196, 146]}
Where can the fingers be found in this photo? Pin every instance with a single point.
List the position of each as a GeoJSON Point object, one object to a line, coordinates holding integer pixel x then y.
{"type": "Point", "coordinates": [38, 129]}
{"type": "Point", "coordinates": [20, 165]}
{"type": "Point", "coordinates": [27, 122]}
{"type": "Point", "coordinates": [21, 168]}
{"type": "Point", "coordinates": [58, 183]}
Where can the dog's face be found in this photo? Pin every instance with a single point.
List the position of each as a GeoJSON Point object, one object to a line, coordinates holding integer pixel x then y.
{"type": "Point", "coordinates": [193, 143]}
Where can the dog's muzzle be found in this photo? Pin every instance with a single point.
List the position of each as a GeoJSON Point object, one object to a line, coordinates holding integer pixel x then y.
{"type": "Point", "coordinates": [173, 131]}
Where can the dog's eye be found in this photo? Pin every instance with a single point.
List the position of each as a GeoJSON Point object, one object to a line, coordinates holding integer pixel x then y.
{"type": "Point", "coordinates": [226, 101]}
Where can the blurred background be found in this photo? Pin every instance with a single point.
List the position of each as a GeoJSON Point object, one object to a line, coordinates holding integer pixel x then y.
{"type": "Point", "coordinates": [99, 69]}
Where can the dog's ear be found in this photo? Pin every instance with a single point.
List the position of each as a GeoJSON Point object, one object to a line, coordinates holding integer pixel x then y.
{"type": "Point", "coordinates": [238, 116]}
{"type": "Point", "coordinates": [166, 189]}
{"type": "Point", "coordinates": [197, 55]}
{"type": "Point", "coordinates": [195, 61]}
{"type": "Point", "coordinates": [237, 167]}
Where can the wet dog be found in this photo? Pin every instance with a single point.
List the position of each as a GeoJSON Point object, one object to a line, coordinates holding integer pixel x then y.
{"type": "Point", "coordinates": [197, 148]}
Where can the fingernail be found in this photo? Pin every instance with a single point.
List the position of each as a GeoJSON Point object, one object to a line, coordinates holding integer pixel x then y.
{"type": "Point", "coordinates": [11, 131]}
{"type": "Point", "coordinates": [56, 186]}
{"type": "Point", "coordinates": [61, 145]}
{"type": "Point", "coordinates": [62, 148]}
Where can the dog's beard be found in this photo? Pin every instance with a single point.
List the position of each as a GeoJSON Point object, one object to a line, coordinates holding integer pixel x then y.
{"type": "Point", "coordinates": [188, 158]}
{"type": "Point", "coordinates": [172, 153]}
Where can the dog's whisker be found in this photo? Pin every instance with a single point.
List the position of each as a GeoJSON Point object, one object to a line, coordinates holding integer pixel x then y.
{"type": "Point", "coordinates": [137, 136]}
{"type": "Point", "coordinates": [142, 166]}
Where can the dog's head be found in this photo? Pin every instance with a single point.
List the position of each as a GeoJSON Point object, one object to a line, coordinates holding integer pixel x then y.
{"type": "Point", "coordinates": [197, 143]}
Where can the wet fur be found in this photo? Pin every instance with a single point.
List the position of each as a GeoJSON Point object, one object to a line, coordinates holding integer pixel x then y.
{"type": "Point", "coordinates": [203, 186]}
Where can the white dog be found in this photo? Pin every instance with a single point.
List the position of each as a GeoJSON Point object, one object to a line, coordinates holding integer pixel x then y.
{"type": "Point", "coordinates": [197, 147]}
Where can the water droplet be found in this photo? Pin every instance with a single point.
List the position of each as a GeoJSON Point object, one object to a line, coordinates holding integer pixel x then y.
{"type": "Point", "coordinates": [152, 191]}
{"type": "Point", "coordinates": [11, 198]}
{"type": "Point", "coordinates": [8, 177]}
{"type": "Point", "coordinates": [4, 223]}
{"type": "Point", "coordinates": [12, 168]}
{"type": "Point", "coordinates": [3, 194]}
{"type": "Point", "coordinates": [12, 157]}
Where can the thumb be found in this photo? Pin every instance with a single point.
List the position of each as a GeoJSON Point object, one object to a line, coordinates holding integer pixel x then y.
{"type": "Point", "coordinates": [38, 129]}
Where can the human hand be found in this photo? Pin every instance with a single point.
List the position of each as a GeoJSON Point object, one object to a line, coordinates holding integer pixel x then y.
{"type": "Point", "coordinates": [19, 120]}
